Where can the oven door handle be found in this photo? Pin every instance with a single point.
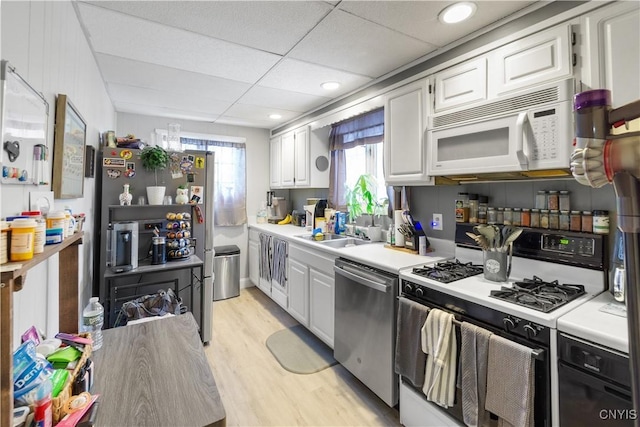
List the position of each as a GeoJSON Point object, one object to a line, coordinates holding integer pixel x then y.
{"type": "Point", "coordinates": [364, 278]}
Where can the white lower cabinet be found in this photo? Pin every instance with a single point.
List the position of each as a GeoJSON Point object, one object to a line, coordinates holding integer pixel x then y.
{"type": "Point", "coordinates": [322, 301]}
{"type": "Point", "coordinates": [299, 291]}
{"type": "Point", "coordinates": [415, 411]}
{"type": "Point", "coordinates": [311, 290]}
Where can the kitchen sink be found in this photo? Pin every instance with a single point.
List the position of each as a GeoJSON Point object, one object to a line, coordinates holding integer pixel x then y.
{"type": "Point", "coordinates": [327, 237]}
{"type": "Point", "coordinates": [344, 243]}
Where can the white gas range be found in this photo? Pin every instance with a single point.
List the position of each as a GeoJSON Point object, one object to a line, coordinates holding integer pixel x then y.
{"type": "Point", "coordinates": [568, 258]}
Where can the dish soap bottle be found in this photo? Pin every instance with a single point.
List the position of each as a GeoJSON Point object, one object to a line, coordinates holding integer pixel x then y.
{"type": "Point", "coordinates": [261, 218]}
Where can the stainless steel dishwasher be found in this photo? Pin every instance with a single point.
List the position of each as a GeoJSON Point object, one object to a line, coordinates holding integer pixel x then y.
{"type": "Point", "coordinates": [365, 326]}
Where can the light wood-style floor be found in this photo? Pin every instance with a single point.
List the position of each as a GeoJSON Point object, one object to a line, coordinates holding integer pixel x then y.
{"type": "Point", "coordinates": [257, 391]}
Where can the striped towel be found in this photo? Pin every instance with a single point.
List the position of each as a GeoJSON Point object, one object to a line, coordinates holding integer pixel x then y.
{"type": "Point", "coordinates": [439, 343]}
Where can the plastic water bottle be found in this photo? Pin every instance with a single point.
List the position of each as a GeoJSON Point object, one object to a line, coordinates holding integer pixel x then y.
{"type": "Point", "coordinates": [92, 320]}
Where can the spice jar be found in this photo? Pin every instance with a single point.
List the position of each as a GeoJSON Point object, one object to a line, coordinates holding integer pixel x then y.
{"type": "Point", "coordinates": [525, 218]}
{"type": "Point", "coordinates": [564, 220]}
{"type": "Point", "coordinates": [544, 218]}
{"type": "Point", "coordinates": [554, 219]}
{"type": "Point", "coordinates": [564, 201]}
{"type": "Point", "coordinates": [491, 215]}
{"type": "Point", "coordinates": [541, 199]}
{"type": "Point", "coordinates": [535, 218]}
{"type": "Point", "coordinates": [516, 216]}
{"type": "Point", "coordinates": [552, 200]}
{"type": "Point", "coordinates": [483, 202]}
{"type": "Point", "coordinates": [500, 216]}
{"type": "Point", "coordinates": [462, 207]}
{"type": "Point", "coordinates": [508, 216]}
{"type": "Point", "coordinates": [587, 222]}
{"type": "Point", "coordinates": [473, 208]}
{"type": "Point", "coordinates": [575, 221]}
{"type": "Point", "coordinates": [601, 222]}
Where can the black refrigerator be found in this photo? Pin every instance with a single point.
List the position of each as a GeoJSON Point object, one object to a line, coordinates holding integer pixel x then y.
{"type": "Point", "coordinates": [193, 170]}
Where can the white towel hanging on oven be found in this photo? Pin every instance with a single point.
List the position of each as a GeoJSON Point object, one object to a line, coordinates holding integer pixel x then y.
{"type": "Point", "coordinates": [439, 343]}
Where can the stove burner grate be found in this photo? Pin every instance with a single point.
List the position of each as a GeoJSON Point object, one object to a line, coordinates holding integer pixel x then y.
{"type": "Point", "coordinates": [448, 271]}
{"type": "Point", "coordinates": [539, 295]}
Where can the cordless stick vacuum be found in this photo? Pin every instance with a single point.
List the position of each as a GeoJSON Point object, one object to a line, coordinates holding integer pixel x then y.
{"type": "Point", "coordinates": [601, 158]}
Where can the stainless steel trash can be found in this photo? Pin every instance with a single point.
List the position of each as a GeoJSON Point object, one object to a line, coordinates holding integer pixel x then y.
{"type": "Point", "coordinates": [226, 268]}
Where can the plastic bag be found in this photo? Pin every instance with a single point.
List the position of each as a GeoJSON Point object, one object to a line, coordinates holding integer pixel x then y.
{"type": "Point", "coordinates": [157, 304]}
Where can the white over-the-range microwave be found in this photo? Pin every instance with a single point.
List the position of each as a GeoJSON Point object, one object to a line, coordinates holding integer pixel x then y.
{"type": "Point", "coordinates": [528, 131]}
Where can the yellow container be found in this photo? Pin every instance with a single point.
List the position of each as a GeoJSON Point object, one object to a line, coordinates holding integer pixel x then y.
{"type": "Point", "coordinates": [57, 219]}
{"type": "Point", "coordinates": [4, 242]}
{"type": "Point", "coordinates": [22, 239]}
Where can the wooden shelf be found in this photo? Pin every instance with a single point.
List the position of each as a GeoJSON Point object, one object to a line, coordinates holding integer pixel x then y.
{"type": "Point", "coordinates": [13, 276]}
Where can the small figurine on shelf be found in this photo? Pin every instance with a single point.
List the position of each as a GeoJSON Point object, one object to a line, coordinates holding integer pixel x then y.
{"type": "Point", "coordinates": [182, 197]}
{"type": "Point", "coordinates": [125, 196]}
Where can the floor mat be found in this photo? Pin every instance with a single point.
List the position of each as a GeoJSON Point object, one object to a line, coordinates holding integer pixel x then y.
{"type": "Point", "coordinates": [299, 351]}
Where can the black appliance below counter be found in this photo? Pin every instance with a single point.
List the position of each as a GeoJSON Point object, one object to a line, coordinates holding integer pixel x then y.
{"type": "Point", "coordinates": [579, 249]}
{"type": "Point", "coordinates": [594, 385]}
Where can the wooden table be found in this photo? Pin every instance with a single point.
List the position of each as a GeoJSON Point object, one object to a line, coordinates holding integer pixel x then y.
{"type": "Point", "coordinates": [156, 374]}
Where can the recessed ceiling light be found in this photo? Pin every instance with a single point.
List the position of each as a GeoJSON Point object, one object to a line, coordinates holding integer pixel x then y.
{"type": "Point", "coordinates": [330, 85]}
{"type": "Point", "coordinates": [275, 116]}
{"type": "Point", "coordinates": [457, 12]}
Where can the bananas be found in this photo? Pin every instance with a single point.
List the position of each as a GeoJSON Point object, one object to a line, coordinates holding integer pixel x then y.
{"type": "Point", "coordinates": [286, 220]}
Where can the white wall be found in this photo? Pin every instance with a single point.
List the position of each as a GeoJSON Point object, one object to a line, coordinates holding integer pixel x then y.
{"type": "Point", "coordinates": [257, 144]}
{"type": "Point", "coordinates": [44, 42]}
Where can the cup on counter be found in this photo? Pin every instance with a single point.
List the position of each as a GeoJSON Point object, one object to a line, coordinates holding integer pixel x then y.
{"type": "Point", "coordinates": [141, 200]}
{"type": "Point", "coordinates": [167, 200]}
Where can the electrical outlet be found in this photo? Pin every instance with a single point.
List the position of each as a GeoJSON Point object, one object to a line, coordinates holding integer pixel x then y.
{"type": "Point", "coordinates": [436, 224]}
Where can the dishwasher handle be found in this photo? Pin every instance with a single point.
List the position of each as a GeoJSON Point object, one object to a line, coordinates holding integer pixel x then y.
{"type": "Point", "coordinates": [364, 278]}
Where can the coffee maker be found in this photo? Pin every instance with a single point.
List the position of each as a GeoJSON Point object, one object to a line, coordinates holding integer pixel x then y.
{"type": "Point", "coordinates": [123, 246]}
{"type": "Point", "coordinates": [277, 208]}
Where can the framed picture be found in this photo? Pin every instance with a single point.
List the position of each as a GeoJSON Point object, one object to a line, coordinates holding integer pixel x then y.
{"type": "Point", "coordinates": [68, 150]}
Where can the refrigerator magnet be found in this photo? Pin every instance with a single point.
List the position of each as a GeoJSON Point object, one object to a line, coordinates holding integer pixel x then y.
{"type": "Point", "coordinates": [199, 162]}
{"type": "Point", "coordinates": [113, 162]}
{"type": "Point", "coordinates": [113, 173]}
{"type": "Point", "coordinates": [126, 154]}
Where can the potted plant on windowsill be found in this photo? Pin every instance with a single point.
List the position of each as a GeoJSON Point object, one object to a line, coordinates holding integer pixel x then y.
{"type": "Point", "coordinates": [363, 199]}
{"type": "Point", "coordinates": [155, 158]}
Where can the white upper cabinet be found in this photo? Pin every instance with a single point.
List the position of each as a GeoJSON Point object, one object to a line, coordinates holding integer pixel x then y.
{"type": "Point", "coordinates": [288, 147]}
{"type": "Point", "coordinates": [301, 157]}
{"type": "Point", "coordinates": [461, 84]}
{"type": "Point", "coordinates": [404, 131]}
{"type": "Point", "coordinates": [535, 59]}
{"type": "Point", "coordinates": [275, 173]}
{"type": "Point", "coordinates": [611, 52]}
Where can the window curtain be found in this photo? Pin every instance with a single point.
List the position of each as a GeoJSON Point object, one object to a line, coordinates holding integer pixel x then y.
{"type": "Point", "coordinates": [230, 179]}
{"type": "Point", "coordinates": [367, 128]}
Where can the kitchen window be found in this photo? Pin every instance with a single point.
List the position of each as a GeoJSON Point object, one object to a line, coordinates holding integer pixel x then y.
{"type": "Point", "coordinates": [356, 149]}
{"type": "Point", "coordinates": [230, 177]}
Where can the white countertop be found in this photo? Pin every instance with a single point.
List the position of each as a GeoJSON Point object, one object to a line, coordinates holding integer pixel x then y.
{"type": "Point", "coordinates": [373, 254]}
{"type": "Point", "coordinates": [590, 323]}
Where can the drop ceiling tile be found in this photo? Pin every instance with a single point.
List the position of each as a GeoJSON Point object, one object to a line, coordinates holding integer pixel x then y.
{"type": "Point", "coordinates": [142, 96]}
{"type": "Point", "coordinates": [171, 113]}
{"type": "Point", "coordinates": [419, 19]}
{"type": "Point", "coordinates": [151, 76]}
{"type": "Point", "coordinates": [129, 37]}
{"type": "Point", "coordinates": [304, 77]}
{"type": "Point", "coordinates": [283, 99]}
{"type": "Point", "coordinates": [346, 42]}
{"type": "Point", "coordinates": [254, 112]}
{"type": "Point", "coordinates": [272, 26]}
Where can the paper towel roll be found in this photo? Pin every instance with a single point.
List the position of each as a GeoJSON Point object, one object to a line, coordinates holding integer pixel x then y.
{"type": "Point", "coordinates": [397, 220]}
